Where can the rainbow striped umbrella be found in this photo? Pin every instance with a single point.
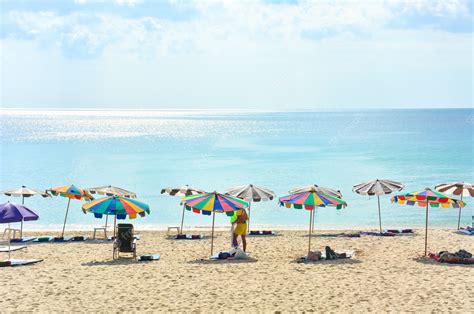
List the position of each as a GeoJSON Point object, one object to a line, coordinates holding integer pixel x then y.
{"type": "Point", "coordinates": [71, 192]}
{"type": "Point", "coordinates": [118, 206]}
{"type": "Point", "coordinates": [208, 203]}
{"type": "Point", "coordinates": [425, 198]}
{"type": "Point", "coordinates": [309, 200]}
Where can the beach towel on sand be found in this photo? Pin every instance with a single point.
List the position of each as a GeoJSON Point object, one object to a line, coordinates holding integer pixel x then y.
{"type": "Point", "coordinates": [19, 262]}
{"type": "Point", "coordinates": [12, 248]}
{"type": "Point", "coordinates": [22, 240]}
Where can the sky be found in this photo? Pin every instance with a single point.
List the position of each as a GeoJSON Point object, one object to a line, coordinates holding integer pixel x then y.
{"type": "Point", "coordinates": [223, 54]}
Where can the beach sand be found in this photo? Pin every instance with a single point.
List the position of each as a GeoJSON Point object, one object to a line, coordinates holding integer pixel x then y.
{"type": "Point", "coordinates": [387, 274]}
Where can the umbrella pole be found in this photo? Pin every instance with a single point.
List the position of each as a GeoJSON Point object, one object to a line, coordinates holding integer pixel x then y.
{"type": "Point", "coordinates": [65, 217]}
{"type": "Point", "coordinates": [426, 229]}
{"type": "Point", "coordinates": [380, 216]}
{"type": "Point", "coordinates": [21, 227]}
{"type": "Point", "coordinates": [314, 215]}
{"type": "Point", "coordinates": [182, 220]}
{"type": "Point", "coordinates": [9, 247]}
{"type": "Point", "coordinates": [115, 224]}
{"type": "Point", "coordinates": [459, 218]}
{"type": "Point", "coordinates": [212, 232]}
{"type": "Point", "coordinates": [105, 227]}
{"type": "Point", "coordinates": [248, 221]}
{"type": "Point", "coordinates": [310, 226]}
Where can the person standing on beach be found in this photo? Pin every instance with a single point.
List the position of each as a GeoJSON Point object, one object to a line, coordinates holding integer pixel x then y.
{"type": "Point", "coordinates": [241, 228]}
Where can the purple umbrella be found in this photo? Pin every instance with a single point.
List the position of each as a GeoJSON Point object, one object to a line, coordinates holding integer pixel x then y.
{"type": "Point", "coordinates": [10, 212]}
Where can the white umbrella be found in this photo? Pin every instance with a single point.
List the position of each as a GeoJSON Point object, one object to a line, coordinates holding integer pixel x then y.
{"type": "Point", "coordinates": [378, 187]}
{"type": "Point", "coordinates": [182, 191]}
{"type": "Point", "coordinates": [251, 193]}
{"type": "Point", "coordinates": [458, 189]}
{"type": "Point", "coordinates": [24, 192]}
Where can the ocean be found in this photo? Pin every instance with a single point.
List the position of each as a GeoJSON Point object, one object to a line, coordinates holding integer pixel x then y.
{"type": "Point", "coordinates": [145, 151]}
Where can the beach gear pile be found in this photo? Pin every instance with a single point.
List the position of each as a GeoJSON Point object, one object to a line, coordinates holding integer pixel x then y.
{"type": "Point", "coordinates": [460, 257]}
{"type": "Point", "coordinates": [328, 254]}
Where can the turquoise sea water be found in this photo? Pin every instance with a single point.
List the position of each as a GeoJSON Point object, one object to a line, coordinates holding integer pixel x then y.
{"type": "Point", "coordinates": [144, 151]}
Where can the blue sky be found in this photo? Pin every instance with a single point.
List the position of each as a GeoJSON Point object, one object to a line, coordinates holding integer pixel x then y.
{"type": "Point", "coordinates": [273, 54]}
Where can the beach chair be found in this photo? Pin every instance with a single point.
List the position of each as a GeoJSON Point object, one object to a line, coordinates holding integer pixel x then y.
{"type": "Point", "coordinates": [125, 242]}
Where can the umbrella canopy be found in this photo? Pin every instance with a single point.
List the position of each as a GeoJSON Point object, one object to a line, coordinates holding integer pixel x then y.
{"type": "Point", "coordinates": [428, 197]}
{"type": "Point", "coordinates": [317, 188]}
{"type": "Point", "coordinates": [182, 191]}
{"type": "Point", "coordinates": [109, 190]}
{"type": "Point", "coordinates": [311, 200]}
{"type": "Point", "coordinates": [71, 192]}
{"type": "Point", "coordinates": [458, 189]}
{"type": "Point", "coordinates": [208, 203]}
{"type": "Point", "coordinates": [24, 192]}
{"type": "Point", "coordinates": [251, 193]}
{"type": "Point", "coordinates": [10, 212]}
{"type": "Point", "coordinates": [377, 187]}
{"type": "Point", "coordinates": [118, 206]}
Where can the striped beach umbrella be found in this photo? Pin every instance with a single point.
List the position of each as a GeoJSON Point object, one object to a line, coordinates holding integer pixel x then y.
{"type": "Point", "coordinates": [319, 189]}
{"type": "Point", "coordinates": [310, 200]}
{"type": "Point", "coordinates": [251, 193]}
{"type": "Point", "coordinates": [24, 192]}
{"type": "Point", "coordinates": [459, 189]}
{"type": "Point", "coordinates": [71, 192]}
{"type": "Point", "coordinates": [119, 206]}
{"type": "Point", "coordinates": [109, 190]}
{"type": "Point", "coordinates": [377, 187]}
{"type": "Point", "coordinates": [210, 203]}
{"type": "Point", "coordinates": [428, 197]}
{"type": "Point", "coordinates": [182, 191]}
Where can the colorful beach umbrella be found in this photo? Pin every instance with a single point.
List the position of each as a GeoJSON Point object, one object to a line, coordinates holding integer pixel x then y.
{"type": "Point", "coordinates": [118, 206]}
{"type": "Point", "coordinates": [182, 191]}
{"type": "Point", "coordinates": [71, 192]}
{"type": "Point", "coordinates": [251, 193]}
{"type": "Point", "coordinates": [423, 199]}
{"type": "Point", "coordinates": [210, 203]}
{"type": "Point", "coordinates": [310, 200]}
{"type": "Point", "coordinates": [377, 187]}
{"type": "Point", "coordinates": [24, 192]}
{"type": "Point", "coordinates": [110, 190]}
{"type": "Point", "coordinates": [10, 212]}
{"type": "Point", "coordinates": [458, 189]}
{"type": "Point", "coordinates": [316, 188]}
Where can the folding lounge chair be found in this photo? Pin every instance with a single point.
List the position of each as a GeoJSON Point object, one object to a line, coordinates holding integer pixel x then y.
{"type": "Point", "coordinates": [125, 241]}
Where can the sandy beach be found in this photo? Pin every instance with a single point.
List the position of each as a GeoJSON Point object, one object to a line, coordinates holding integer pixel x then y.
{"type": "Point", "coordinates": [387, 274]}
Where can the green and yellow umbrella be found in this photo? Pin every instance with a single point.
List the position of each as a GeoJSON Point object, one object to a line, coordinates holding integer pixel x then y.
{"type": "Point", "coordinates": [208, 203]}
{"type": "Point", "coordinates": [71, 192]}
{"type": "Point", "coordinates": [425, 198]}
